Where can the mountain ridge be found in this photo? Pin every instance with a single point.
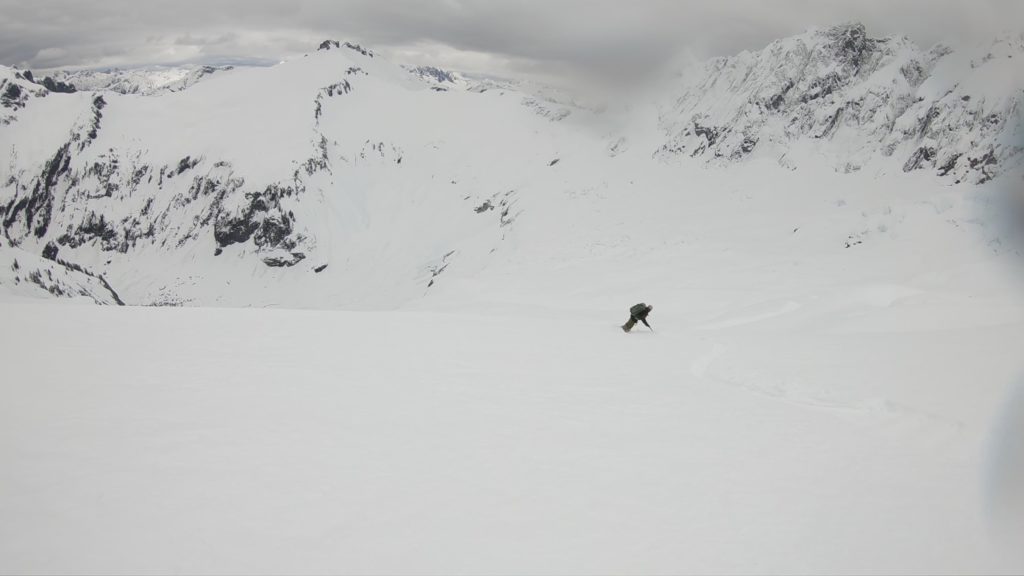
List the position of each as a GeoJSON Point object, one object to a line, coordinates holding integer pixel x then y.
{"type": "Point", "coordinates": [302, 174]}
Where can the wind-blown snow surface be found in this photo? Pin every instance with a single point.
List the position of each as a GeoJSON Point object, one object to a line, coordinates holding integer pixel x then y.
{"type": "Point", "coordinates": [826, 391]}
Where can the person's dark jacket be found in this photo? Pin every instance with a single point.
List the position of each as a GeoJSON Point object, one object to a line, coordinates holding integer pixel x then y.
{"type": "Point", "coordinates": [639, 313]}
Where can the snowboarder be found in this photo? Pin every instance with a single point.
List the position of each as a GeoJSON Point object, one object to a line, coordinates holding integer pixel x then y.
{"type": "Point", "coordinates": [638, 313]}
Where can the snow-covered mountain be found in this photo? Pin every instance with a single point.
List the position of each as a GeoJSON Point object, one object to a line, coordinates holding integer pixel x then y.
{"type": "Point", "coordinates": [856, 100]}
{"type": "Point", "coordinates": [343, 179]}
{"type": "Point", "coordinates": [300, 174]}
{"type": "Point", "coordinates": [144, 81]}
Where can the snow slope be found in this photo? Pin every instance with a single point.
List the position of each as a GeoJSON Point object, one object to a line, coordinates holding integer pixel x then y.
{"type": "Point", "coordinates": [803, 407]}
{"type": "Point", "coordinates": [765, 428]}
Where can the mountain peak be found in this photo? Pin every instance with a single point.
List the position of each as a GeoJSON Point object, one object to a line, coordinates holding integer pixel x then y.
{"type": "Point", "coordinates": [327, 45]}
{"type": "Point", "coordinates": [435, 74]}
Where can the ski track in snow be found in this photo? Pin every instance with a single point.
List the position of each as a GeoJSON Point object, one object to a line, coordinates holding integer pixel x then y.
{"type": "Point", "coordinates": [750, 319]}
{"type": "Point", "coordinates": [761, 383]}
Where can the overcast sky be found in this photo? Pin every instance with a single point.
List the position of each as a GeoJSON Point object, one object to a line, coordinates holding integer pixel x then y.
{"type": "Point", "coordinates": [509, 37]}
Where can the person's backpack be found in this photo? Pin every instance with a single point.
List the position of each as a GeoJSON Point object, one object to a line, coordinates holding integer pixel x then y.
{"type": "Point", "coordinates": [639, 310]}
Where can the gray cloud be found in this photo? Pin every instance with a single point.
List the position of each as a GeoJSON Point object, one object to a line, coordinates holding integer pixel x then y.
{"type": "Point", "coordinates": [515, 37]}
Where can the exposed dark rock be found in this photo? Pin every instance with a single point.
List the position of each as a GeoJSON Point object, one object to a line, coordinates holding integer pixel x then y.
{"type": "Point", "coordinates": [920, 156]}
{"type": "Point", "coordinates": [851, 45]}
{"type": "Point", "coordinates": [36, 208]}
{"type": "Point", "coordinates": [822, 87]}
{"type": "Point", "coordinates": [94, 227]}
{"type": "Point", "coordinates": [48, 83]}
{"type": "Point", "coordinates": [12, 97]}
{"type": "Point", "coordinates": [261, 219]}
{"type": "Point", "coordinates": [57, 86]}
{"type": "Point", "coordinates": [359, 49]}
{"type": "Point", "coordinates": [334, 44]}
{"type": "Point", "coordinates": [949, 165]}
{"type": "Point", "coordinates": [987, 159]}
{"type": "Point", "coordinates": [186, 163]}
{"type": "Point", "coordinates": [832, 124]}
{"type": "Point", "coordinates": [110, 289]}
{"type": "Point", "coordinates": [709, 133]}
{"type": "Point", "coordinates": [284, 261]}
{"type": "Point", "coordinates": [13, 92]}
{"type": "Point", "coordinates": [50, 251]}
{"type": "Point", "coordinates": [98, 104]}
{"type": "Point", "coordinates": [437, 74]}
{"type": "Point", "coordinates": [926, 122]}
{"type": "Point", "coordinates": [984, 164]}
{"type": "Point", "coordinates": [320, 269]}
{"type": "Point", "coordinates": [507, 203]}
{"type": "Point", "coordinates": [318, 163]}
{"type": "Point", "coordinates": [484, 207]}
{"type": "Point", "coordinates": [777, 101]}
{"type": "Point", "coordinates": [336, 89]}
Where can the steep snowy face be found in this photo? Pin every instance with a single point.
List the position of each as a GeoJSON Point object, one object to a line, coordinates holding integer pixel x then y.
{"type": "Point", "coordinates": [856, 99]}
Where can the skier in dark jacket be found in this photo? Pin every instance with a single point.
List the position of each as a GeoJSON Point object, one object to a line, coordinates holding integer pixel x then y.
{"type": "Point", "coordinates": [638, 313]}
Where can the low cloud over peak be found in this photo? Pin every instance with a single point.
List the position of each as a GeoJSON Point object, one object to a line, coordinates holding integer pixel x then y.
{"type": "Point", "coordinates": [520, 38]}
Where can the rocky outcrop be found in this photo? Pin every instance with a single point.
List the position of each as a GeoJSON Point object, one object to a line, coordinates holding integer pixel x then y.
{"type": "Point", "coordinates": [15, 92]}
{"type": "Point", "coordinates": [327, 45]}
{"type": "Point", "coordinates": [260, 218]}
{"type": "Point", "coordinates": [49, 276]}
{"type": "Point", "coordinates": [50, 84]}
{"type": "Point", "coordinates": [434, 74]}
{"type": "Point", "coordinates": [336, 89]}
{"type": "Point", "coordinates": [30, 213]}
